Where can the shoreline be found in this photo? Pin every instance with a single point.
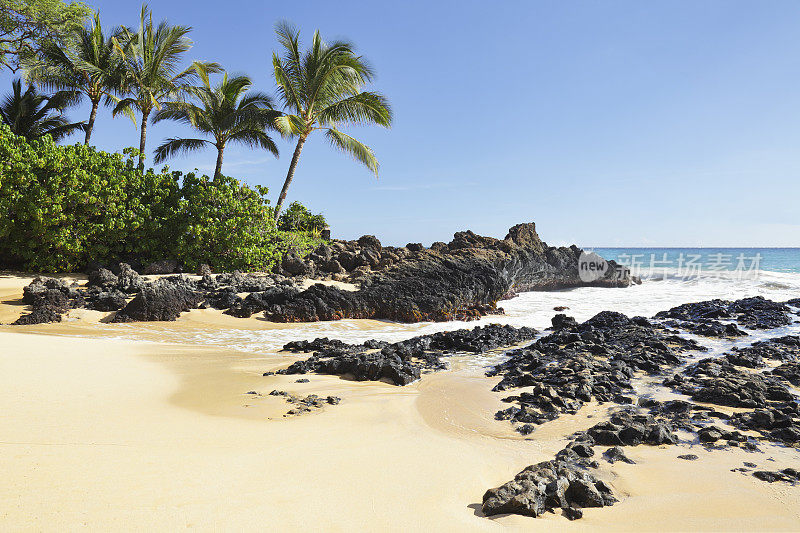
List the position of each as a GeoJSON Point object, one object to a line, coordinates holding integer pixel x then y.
{"type": "Point", "coordinates": [157, 435]}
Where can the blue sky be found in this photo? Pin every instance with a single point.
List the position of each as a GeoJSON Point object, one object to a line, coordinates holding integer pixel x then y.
{"type": "Point", "coordinates": [607, 123]}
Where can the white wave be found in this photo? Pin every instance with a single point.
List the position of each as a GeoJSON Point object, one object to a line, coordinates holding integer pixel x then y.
{"type": "Point", "coordinates": [528, 309]}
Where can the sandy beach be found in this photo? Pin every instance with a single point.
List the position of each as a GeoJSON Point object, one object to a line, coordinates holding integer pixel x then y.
{"type": "Point", "coordinates": [101, 433]}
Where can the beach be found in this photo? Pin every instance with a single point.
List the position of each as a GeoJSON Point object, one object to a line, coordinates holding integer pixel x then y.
{"type": "Point", "coordinates": [102, 432]}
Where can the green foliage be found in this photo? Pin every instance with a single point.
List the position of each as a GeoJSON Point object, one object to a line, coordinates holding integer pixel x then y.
{"type": "Point", "coordinates": [298, 218]}
{"type": "Point", "coordinates": [65, 206]}
{"type": "Point", "coordinates": [26, 25]}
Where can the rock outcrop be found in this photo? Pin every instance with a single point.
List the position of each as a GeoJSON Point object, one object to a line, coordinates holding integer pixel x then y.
{"type": "Point", "coordinates": [161, 300]}
{"type": "Point", "coordinates": [463, 280]}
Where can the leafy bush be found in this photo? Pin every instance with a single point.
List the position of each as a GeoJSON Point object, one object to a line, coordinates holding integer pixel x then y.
{"type": "Point", "coordinates": [298, 218]}
{"type": "Point", "coordinates": [66, 206]}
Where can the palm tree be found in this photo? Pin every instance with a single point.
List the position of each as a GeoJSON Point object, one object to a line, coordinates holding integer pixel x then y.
{"type": "Point", "coordinates": [225, 112]}
{"type": "Point", "coordinates": [321, 89]}
{"type": "Point", "coordinates": [150, 63]}
{"type": "Point", "coordinates": [89, 65]}
{"type": "Point", "coordinates": [33, 115]}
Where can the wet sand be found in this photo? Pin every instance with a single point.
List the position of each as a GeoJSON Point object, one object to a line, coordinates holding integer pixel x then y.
{"type": "Point", "coordinates": [100, 433]}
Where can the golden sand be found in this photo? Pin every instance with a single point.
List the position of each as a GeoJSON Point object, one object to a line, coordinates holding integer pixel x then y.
{"type": "Point", "coordinates": [106, 434]}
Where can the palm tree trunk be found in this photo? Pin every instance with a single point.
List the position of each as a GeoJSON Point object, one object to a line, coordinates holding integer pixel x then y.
{"type": "Point", "coordinates": [218, 170]}
{"type": "Point", "coordinates": [292, 166]}
{"type": "Point", "coordinates": [143, 137]}
{"type": "Point", "coordinates": [92, 117]}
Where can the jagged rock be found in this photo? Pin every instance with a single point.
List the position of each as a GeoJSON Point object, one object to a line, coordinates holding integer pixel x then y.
{"type": "Point", "coordinates": [128, 280]}
{"type": "Point", "coordinates": [562, 321]}
{"type": "Point", "coordinates": [402, 362]}
{"type": "Point", "coordinates": [789, 372]}
{"type": "Point", "coordinates": [164, 299]}
{"type": "Point", "coordinates": [771, 477]}
{"type": "Point", "coordinates": [463, 282]}
{"type": "Point", "coordinates": [112, 300]}
{"type": "Point", "coordinates": [204, 270]}
{"type": "Point", "coordinates": [225, 298]}
{"type": "Point", "coordinates": [628, 428]}
{"type": "Point", "coordinates": [579, 362]}
{"type": "Point", "coordinates": [294, 264]}
{"type": "Point", "coordinates": [786, 348]}
{"type": "Point", "coordinates": [709, 434]}
{"type": "Point", "coordinates": [46, 306]}
{"type": "Point", "coordinates": [716, 381]}
{"type": "Point", "coordinates": [708, 328]}
{"type": "Point", "coordinates": [754, 313]}
{"type": "Point", "coordinates": [333, 266]}
{"type": "Point", "coordinates": [546, 486]}
{"type": "Point", "coordinates": [102, 277]}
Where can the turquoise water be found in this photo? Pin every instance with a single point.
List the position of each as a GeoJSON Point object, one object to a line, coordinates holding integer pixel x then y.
{"type": "Point", "coordinates": [709, 259]}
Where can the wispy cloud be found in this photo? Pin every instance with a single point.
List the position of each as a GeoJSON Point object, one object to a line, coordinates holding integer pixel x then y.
{"type": "Point", "coordinates": [424, 186]}
{"type": "Point", "coordinates": [234, 164]}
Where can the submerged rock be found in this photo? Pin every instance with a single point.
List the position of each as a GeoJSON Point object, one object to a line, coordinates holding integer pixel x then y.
{"type": "Point", "coordinates": [402, 362]}
{"type": "Point", "coordinates": [754, 313]}
{"type": "Point", "coordinates": [580, 362]}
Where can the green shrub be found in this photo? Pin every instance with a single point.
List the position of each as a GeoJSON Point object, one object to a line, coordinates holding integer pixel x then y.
{"type": "Point", "coordinates": [62, 207]}
{"type": "Point", "coordinates": [298, 218]}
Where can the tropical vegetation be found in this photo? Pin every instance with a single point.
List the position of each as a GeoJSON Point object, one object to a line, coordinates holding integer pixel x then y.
{"type": "Point", "coordinates": [68, 205]}
{"type": "Point", "coordinates": [151, 68]}
{"type": "Point", "coordinates": [32, 115]}
{"type": "Point", "coordinates": [89, 66]}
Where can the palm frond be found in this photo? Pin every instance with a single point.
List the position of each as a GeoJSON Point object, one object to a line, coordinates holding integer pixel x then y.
{"type": "Point", "coordinates": [360, 152]}
{"type": "Point", "coordinates": [174, 146]}
{"type": "Point", "coordinates": [363, 108]}
{"type": "Point", "coordinates": [290, 125]}
{"type": "Point", "coordinates": [255, 139]}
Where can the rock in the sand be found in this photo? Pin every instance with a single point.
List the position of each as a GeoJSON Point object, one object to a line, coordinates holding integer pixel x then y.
{"type": "Point", "coordinates": [49, 300]}
{"type": "Point", "coordinates": [771, 477]}
{"type": "Point", "coordinates": [688, 457]}
{"type": "Point", "coordinates": [629, 428]}
{"type": "Point", "coordinates": [163, 300]}
{"type": "Point", "coordinates": [580, 362]}
{"type": "Point", "coordinates": [709, 434]}
{"type": "Point", "coordinates": [561, 321]}
{"type": "Point", "coordinates": [102, 277]}
{"type": "Point", "coordinates": [547, 486]}
{"type": "Point", "coordinates": [128, 280]}
{"type": "Point", "coordinates": [615, 453]}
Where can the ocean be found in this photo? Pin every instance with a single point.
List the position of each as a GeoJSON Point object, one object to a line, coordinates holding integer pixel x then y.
{"type": "Point", "coordinates": [776, 276]}
{"type": "Point", "coordinates": [766, 259]}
